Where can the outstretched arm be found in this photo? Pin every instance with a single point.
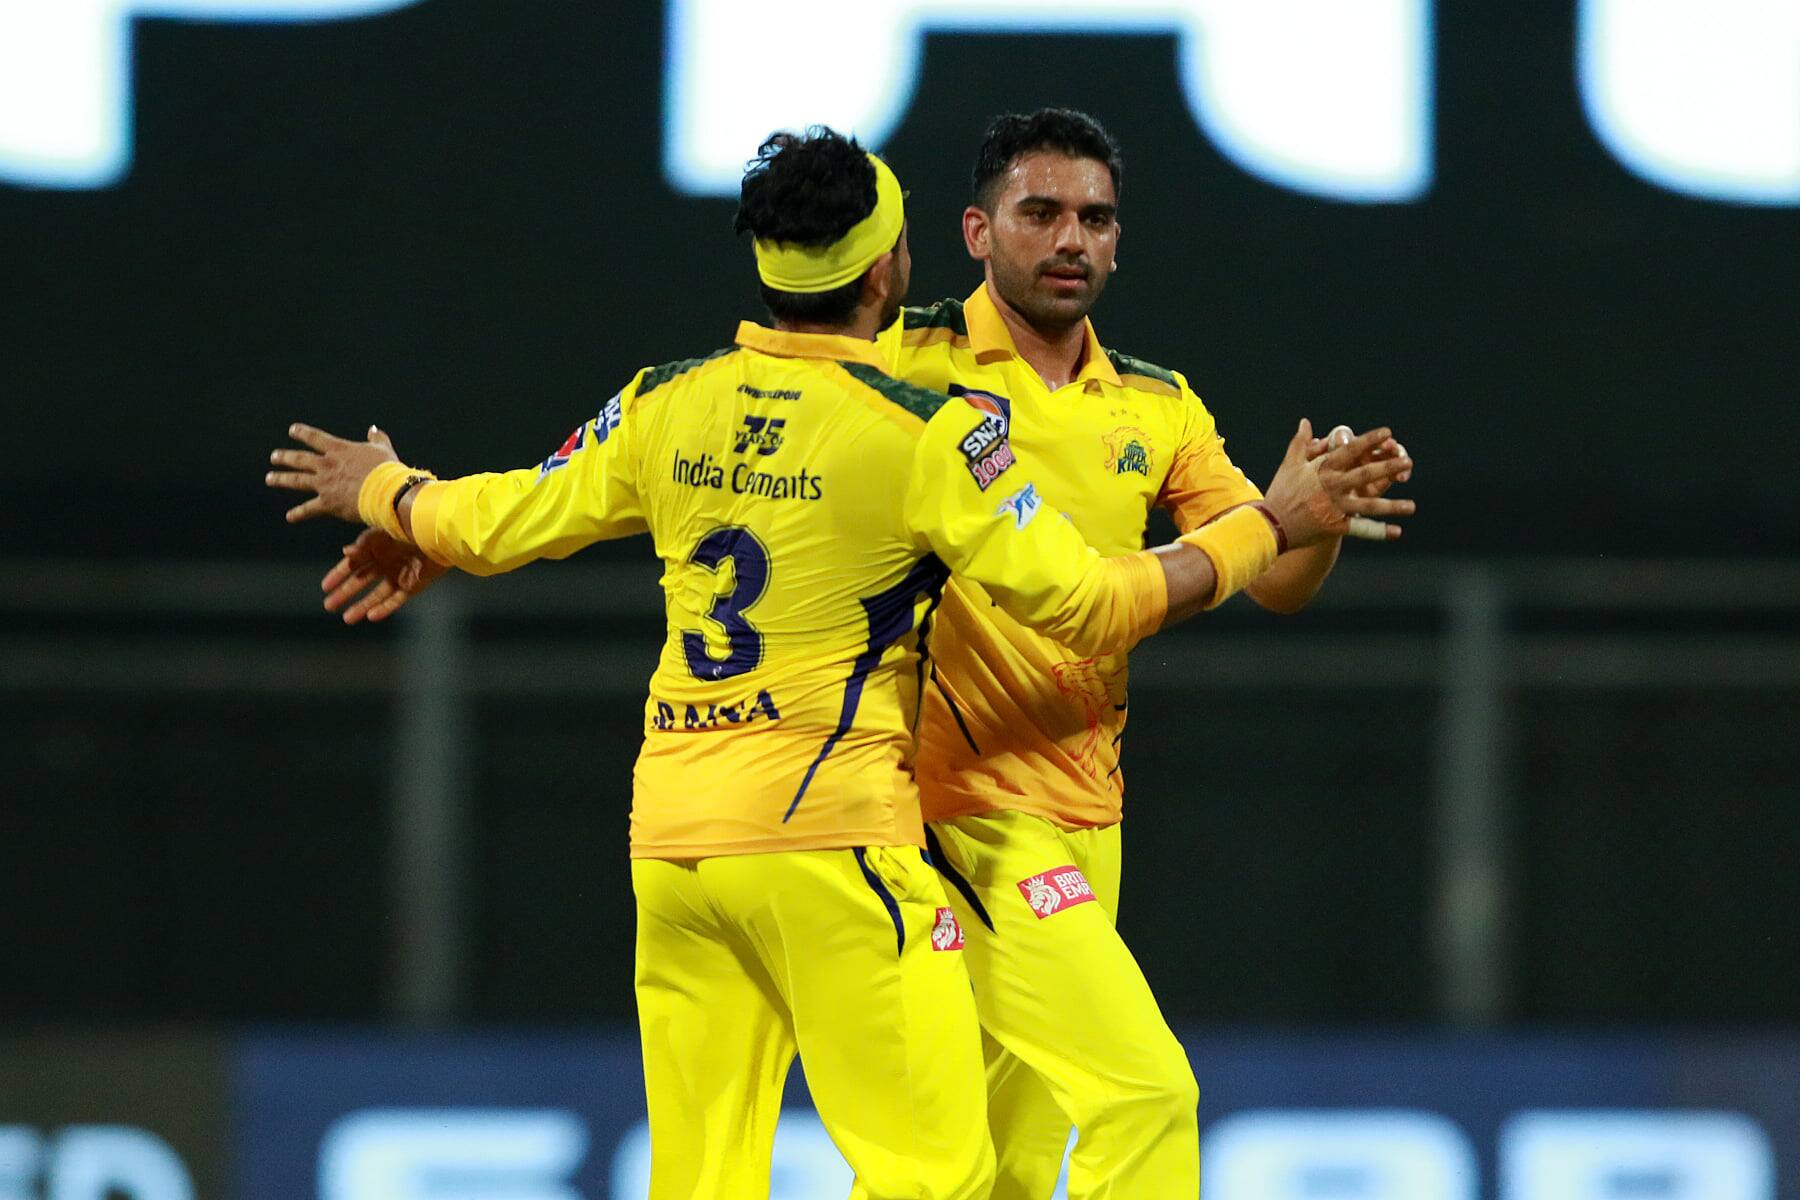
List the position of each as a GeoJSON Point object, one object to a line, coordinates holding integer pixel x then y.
{"type": "Point", "coordinates": [484, 524]}
{"type": "Point", "coordinates": [1038, 567]}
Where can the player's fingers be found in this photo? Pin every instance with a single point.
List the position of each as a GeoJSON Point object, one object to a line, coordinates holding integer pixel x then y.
{"type": "Point", "coordinates": [298, 460]}
{"type": "Point", "coordinates": [1369, 506]}
{"type": "Point", "coordinates": [1296, 447]}
{"type": "Point", "coordinates": [1340, 435]}
{"type": "Point", "coordinates": [1360, 477]}
{"type": "Point", "coordinates": [360, 609]}
{"type": "Point", "coordinates": [390, 606]}
{"type": "Point", "coordinates": [337, 574]}
{"type": "Point", "coordinates": [347, 589]}
{"type": "Point", "coordinates": [1378, 488]}
{"type": "Point", "coordinates": [1357, 449]}
{"type": "Point", "coordinates": [1372, 530]}
{"type": "Point", "coordinates": [314, 507]}
{"type": "Point", "coordinates": [379, 602]}
{"type": "Point", "coordinates": [318, 439]}
{"type": "Point", "coordinates": [293, 481]}
{"type": "Point", "coordinates": [379, 437]}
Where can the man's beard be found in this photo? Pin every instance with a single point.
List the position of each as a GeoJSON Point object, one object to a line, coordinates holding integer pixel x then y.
{"type": "Point", "coordinates": [1049, 314]}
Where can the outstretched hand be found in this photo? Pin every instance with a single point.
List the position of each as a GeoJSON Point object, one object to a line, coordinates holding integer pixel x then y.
{"type": "Point", "coordinates": [333, 469]}
{"type": "Point", "coordinates": [1317, 491]}
{"type": "Point", "coordinates": [385, 572]}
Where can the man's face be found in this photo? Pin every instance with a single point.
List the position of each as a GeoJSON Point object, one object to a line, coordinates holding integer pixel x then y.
{"type": "Point", "coordinates": [1049, 238]}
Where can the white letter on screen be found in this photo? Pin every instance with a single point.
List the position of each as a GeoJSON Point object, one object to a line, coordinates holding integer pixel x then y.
{"type": "Point", "coordinates": [1327, 97]}
{"type": "Point", "coordinates": [1369, 1154]}
{"type": "Point", "coordinates": [1607, 1155]}
{"type": "Point", "coordinates": [452, 1154]}
{"type": "Point", "coordinates": [101, 1162]}
{"type": "Point", "coordinates": [1698, 96]}
{"type": "Point", "coordinates": [806, 1164]}
{"type": "Point", "coordinates": [65, 77]}
{"type": "Point", "coordinates": [21, 1150]}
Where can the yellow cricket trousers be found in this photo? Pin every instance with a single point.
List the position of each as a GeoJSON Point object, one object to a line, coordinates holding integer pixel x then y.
{"type": "Point", "coordinates": [1072, 1034]}
{"type": "Point", "coordinates": [851, 959]}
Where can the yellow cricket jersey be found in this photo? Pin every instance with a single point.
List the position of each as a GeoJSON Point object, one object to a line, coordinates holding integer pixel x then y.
{"type": "Point", "coordinates": [1015, 719]}
{"type": "Point", "coordinates": [807, 509]}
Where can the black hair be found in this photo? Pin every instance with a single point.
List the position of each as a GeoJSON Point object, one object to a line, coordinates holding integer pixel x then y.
{"type": "Point", "coordinates": [1062, 129]}
{"type": "Point", "coordinates": [810, 189]}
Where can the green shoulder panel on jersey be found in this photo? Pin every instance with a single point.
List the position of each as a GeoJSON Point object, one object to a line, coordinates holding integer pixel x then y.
{"type": "Point", "coordinates": [945, 314]}
{"type": "Point", "coordinates": [655, 377]}
{"type": "Point", "coordinates": [918, 401]}
{"type": "Point", "coordinates": [1150, 377]}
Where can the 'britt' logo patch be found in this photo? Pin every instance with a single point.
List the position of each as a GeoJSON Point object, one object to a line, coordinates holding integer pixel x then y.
{"type": "Point", "coordinates": [947, 934]}
{"type": "Point", "coordinates": [1055, 890]}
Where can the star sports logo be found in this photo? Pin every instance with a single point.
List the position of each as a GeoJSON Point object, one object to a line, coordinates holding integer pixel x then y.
{"type": "Point", "coordinates": [1022, 505]}
{"type": "Point", "coordinates": [946, 934]}
{"type": "Point", "coordinates": [1055, 890]}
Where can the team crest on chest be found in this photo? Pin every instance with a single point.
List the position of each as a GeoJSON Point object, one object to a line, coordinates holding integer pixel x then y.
{"type": "Point", "coordinates": [1127, 451]}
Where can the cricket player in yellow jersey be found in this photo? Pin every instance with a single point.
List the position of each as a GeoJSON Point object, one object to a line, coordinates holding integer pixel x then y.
{"type": "Point", "coordinates": [807, 509]}
{"type": "Point", "coordinates": [1018, 761]}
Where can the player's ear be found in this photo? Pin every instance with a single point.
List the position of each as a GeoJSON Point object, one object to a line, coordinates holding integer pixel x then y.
{"type": "Point", "coordinates": [977, 233]}
{"type": "Point", "coordinates": [879, 280]}
{"type": "Point", "coordinates": [1118, 230]}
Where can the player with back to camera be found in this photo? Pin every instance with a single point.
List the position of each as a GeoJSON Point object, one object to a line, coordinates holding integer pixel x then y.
{"type": "Point", "coordinates": [1019, 744]}
{"type": "Point", "coordinates": [807, 509]}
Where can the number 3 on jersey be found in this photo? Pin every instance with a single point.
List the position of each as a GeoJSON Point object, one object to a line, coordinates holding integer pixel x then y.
{"type": "Point", "coordinates": [750, 561]}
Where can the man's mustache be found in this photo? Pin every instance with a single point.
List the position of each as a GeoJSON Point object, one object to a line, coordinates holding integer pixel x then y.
{"type": "Point", "coordinates": [1065, 264]}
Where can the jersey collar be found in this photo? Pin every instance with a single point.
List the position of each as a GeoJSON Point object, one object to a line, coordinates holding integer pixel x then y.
{"type": "Point", "coordinates": [989, 339]}
{"type": "Point", "coordinates": [783, 344]}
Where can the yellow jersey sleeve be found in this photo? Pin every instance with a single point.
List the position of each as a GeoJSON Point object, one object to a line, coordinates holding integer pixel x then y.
{"type": "Point", "coordinates": [969, 500]}
{"type": "Point", "coordinates": [583, 493]}
{"type": "Point", "coordinates": [1202, 481]}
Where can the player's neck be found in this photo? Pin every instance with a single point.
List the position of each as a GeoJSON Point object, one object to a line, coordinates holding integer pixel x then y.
{"type": "Point", "coordinates": [864, 324]}
{"type": "Point", "coordinates": [1057, 356]}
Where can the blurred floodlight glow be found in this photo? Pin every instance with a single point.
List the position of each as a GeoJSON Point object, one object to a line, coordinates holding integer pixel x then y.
{"type": "Point", "coordinates": [65, 77]}
{"type": "Point", "coordinates": [1326, 97]}
{"type": "Point", "coordinates": [1698, 96]}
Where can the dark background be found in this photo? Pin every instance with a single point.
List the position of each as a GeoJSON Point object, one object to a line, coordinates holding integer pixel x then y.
{"type": "Point", "coordinates": [452, 221]}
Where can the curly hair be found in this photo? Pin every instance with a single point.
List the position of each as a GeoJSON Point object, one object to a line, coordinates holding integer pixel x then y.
{"type": "Point", "coordinates": [810, 189]}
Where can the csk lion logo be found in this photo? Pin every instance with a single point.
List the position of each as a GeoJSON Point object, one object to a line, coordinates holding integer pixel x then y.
{"type": "Point", "coordinates": [946, 934]}
{"type": "Point", "coordinates": [1043, 898]}
{"type": "Point", "coordinates": [1127, 449]}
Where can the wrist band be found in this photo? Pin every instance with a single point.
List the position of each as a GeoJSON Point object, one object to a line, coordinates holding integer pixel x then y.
{"type": "Point", "coordinates": [1281, 542]}
{"type": "Point", "coordinates": [378, 500]}
{"type": "Point", "coordinates": [1241, 544]}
